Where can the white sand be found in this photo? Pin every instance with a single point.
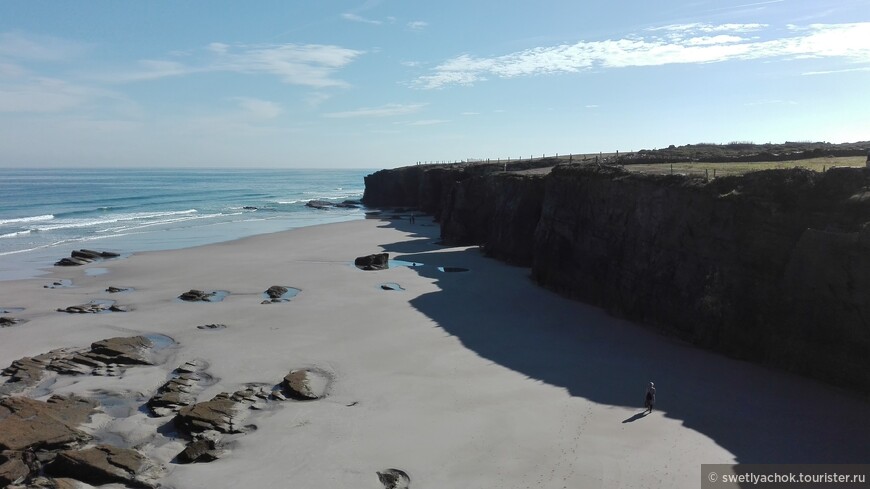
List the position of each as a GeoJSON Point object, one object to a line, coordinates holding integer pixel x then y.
{"type": "Point", "coordinates": [475, 380]}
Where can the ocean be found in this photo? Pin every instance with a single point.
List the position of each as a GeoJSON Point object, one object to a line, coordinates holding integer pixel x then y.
{"type": "Point", "coordinates": [45, 214]}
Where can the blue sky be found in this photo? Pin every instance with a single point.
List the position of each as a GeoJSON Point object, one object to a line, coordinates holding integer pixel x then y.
{"type": "Point", "coordinates": [386, 83]}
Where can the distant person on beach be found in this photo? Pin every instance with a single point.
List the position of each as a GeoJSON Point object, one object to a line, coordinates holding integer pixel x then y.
{"type": "Point", "coordinates": [412, 219]}
{"type": "Point", "coordinates": [650, 399]}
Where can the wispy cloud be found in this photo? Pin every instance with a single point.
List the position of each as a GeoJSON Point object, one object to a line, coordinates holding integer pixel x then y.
{"type": "Point", "coordinates": [261, 109]}
{"type": "Point", "coordinates": [297, 64]}
{"type": "Point", "coordinates": [417, 25]}
{"type": "Point", "coordinates": [358, 18]}
{"type": "Point", "coordinates": [683, 43]}
{"type": "Point", "coordinates": [831, 72]}
{"type": "Point", "coordinates": [427, 122]}
{"type": "Point", "coordinates": [41, 95]}
{"type": "Point", "coordinates": [388, 110]}
{"type": "Point", "coordinates": [21, 46]}
{"type": "Point", "coordinates": [771, 102]}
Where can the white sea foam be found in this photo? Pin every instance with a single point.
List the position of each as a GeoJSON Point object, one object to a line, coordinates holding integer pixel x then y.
{"type": "Point", "coordinates": [21, 220]}
{"type": "Point", "coordinates": [134, 216]}
{"type": "Point", "coordinates": [15, 234]}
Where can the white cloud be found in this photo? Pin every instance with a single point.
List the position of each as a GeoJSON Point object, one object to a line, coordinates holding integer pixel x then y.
{"type": "Point", "coordinates": [388, 110]}
{"type": "Point", "coordinates": [417, 25]}
{"type": "Point", "coordinates": [850, 42]}
{"type": "Point", "coordinates": [22, 46]}
{"type": "Point", "coordinates": [830, 72]}
{"type": "Point", "coordinates": [297, 64]}
{"type": "Point", "coordinates": [697, 27]}
{"type": "Point", "coordinates": [39, 94]}
{"type": "Point", "coordinates": [358, 18]}
{"type": "Point", "coordinates": [260, 109]}
{"type": "Point", "coordinates": [427, 122]}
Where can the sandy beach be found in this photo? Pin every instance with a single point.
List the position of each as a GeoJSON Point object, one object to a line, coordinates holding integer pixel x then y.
{"type": "Point", "coordinates": [475, 378]}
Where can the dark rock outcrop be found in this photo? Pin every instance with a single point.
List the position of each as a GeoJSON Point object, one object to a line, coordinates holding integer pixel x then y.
{"type": "Point", "coordinates": [771, 266]}
{"type": "Point", "coordinates": [30, 424]}
{"type": "Point", "coordinates": [379, 261]}
{"type": "Point", "coordinates": [194, 295]}
{"type": "Point", "coordinates": [224, 413]}
{"type": "Point", "coordinates": [95, 307]}
{"type": "Point", "coordinates": [394, 479]}
{"type": "Point", "coordinates": [276, 291]}
{"type": "Point", "coordinates": [200, 450]}
{"type": "Point", "coordinates": [13, 471]}
{"type": "Point", "coordinates": [106, 358]}
{"type": "Point", "coordinates": [306, 384]}
{"type": "Point", "coordinates": [83, 257]}
{"type": "Point", "coordinates": [6, 321]}
{"type": "Point", "coordinates": [105, 464]}
{"type": "Point", "coordinates": [178, 392]}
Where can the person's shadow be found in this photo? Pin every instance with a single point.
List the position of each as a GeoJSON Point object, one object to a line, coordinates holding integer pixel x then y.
{"type": "Point", "coordinates": [636, 417]}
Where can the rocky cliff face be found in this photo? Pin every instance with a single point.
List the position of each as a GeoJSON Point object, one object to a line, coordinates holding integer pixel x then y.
{"type": "Point", "coordinates": [772, 266]}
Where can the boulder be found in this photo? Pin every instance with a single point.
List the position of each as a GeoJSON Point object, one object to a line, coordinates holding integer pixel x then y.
{"type": "Point", "coordinates": [319, 204]}
{"type": "Point", "coordinates": [13, 471]}
{"type": "Point", "coordinates": [7, 321]}
{"type": "Point", "coordinates": [105, 464]}
{"type": "Point", "coordinates": [83, 257]}
{"type": "Point", "coordinates": [378, 261]}
{"type": "Point", "coordinates": [194, 295]}
{"type": "Point", "coordinates": [174, 395]}
{"type": "Point", "coordinates": [124, 350]}
{"type": "Point", "coordinates": [221, 413]}
{"type": "Point", "coordinates": [24, 373]}
{"type": "Point", "coordinates": [201, 450]}
{"type": "Point", "coordinates": [276, 291]}
{"type": "Point", "coordinates": [94, 307]}
{"type": "Point", "coordinates": [30, 424]}
{"type": "Point", "coordinates": [394, 479]}
{"type": "Point", "coordinates": [306, 384]}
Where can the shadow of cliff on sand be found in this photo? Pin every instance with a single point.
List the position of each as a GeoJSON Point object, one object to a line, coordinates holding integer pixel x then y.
{"type": "Point", "coordinates": [759, 415]}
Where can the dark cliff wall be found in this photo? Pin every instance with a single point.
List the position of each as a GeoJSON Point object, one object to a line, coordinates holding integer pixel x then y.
{"type": "Point", "coordinates": [772, 266]}
{"type": "Point", "coordinates": [499, 212]}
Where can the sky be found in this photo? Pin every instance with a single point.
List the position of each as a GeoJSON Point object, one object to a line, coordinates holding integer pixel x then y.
{"type": "Point", "coordinates": [388, 83]}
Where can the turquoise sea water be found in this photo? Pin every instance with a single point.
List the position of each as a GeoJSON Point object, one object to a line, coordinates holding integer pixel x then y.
{"type": "Point", "coordinates": [45, 214]}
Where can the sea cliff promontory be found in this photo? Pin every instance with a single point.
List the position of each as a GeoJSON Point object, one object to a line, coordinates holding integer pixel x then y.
{"type": "Point", "coordinates": [771, 266]}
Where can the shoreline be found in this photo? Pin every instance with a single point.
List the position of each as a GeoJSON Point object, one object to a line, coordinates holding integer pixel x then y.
{"type": "Point", "coordinates": [478, 377]}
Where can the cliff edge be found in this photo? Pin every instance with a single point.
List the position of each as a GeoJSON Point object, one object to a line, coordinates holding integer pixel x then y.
{"type": "Point", "coordinates": [772, 266]}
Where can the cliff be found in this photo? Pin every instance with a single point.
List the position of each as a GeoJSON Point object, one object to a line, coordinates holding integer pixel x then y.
{"type": "Point", "coordinates": [772, 266]}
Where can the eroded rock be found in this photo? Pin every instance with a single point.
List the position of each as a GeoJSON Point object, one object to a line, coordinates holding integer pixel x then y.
{"type": "Point", "coordinates": [201, 450]}
{"type": "Point", "coordinates": [222, 413]}
{"type": "Point", "coordinates": [124, 350]}
{"type": "Point", "coordinates": [94, 307]}
{"type": "Point", "coordinates": [30, 424]}
{"type": "Point", "coordinates": [105, 464]}
{"type": "Point", "coordinates": [378, 261]}
{"type": "Point", "coordinates": [6, 321]}
{"type": "Point", "coordinates": [394, 479]}
{"type": "Point", "coordinates": [178, 392]}
{"type": "Point", "coordinates": [13, 471]}
{"type": "Point", "coordinates": [276, 291]}
{"type": "Point", "coordinates": [306, 384]}
{"type": "Point", "coordinates": [194, 295]}
{"type": "Point", "coordinates": [83, 257]}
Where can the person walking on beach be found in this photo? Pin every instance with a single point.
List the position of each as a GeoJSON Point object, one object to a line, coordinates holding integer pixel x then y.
{"type": "Point", "coordinates": [650, 398]}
